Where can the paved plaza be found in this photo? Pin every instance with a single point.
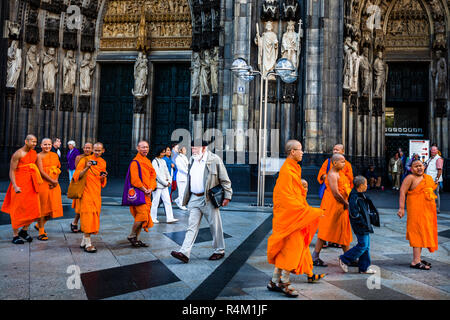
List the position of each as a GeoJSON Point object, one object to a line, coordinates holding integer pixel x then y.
{"type": "Point", "coordinates": [48, 270]}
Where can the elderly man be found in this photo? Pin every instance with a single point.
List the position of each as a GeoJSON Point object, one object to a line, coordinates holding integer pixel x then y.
{"type": "Point", "coordinates": [71, 156]}
{"type": "Point", "coordinates": [294, 225]}
{"type": "Point", "coordinates": [22, 198]}
{"type": "Point", "coordinates": [434, 166]}
{"type": "Point", "coordinates": [206, 171]}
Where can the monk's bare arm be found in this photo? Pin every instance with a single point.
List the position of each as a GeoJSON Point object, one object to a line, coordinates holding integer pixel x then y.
{"type": "Point", "coordinates": [77, 159]}
{"type": "Point", "coordinates": [403, 190]}
{"type": "Point", "coordinates": [41, 170]}
{"type": "Point", "coordinates": [333, 179]}
{"type": "Point", "coordinates": [86, 168]}
{"type": "Point", "coordinates": [12, 168]}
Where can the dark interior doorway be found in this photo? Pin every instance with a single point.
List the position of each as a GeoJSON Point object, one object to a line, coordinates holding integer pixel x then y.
{"type": "Point", "coordinates": [115, 120]}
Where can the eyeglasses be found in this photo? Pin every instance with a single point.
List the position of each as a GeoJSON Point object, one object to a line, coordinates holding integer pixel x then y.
{"type": "Point", "coordinates": [296, 149]}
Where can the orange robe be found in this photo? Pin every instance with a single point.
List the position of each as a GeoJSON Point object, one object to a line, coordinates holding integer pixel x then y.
{"type": "Point", "coordinates": [91, 200]}
{"type": "Point", "coordinates": [76, 203]}
{"type": "Point", "coordinates": [24, 207]}
{"type": "Point", "coordinates": [294, 222]}
{"type": "Point", "coordinates": [50, 199]}
{"type": "Point", "coordinates": [142, 212]}
{"type": "Point", "coordinates": [421, 225]}
{"type": "Point", "coordinates": [347, 171]}
{"type": "Point", "coordinates": [335, 225]}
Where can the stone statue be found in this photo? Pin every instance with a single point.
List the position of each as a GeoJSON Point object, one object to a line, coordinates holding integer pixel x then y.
{"type": "Point", "coordinates": [50, 70]}
{"type": "Point", "coordinates": [270, 10]}
{"type": "Point", "coordinates": [69, 73]}
{"type": "Point", "coordinates": [267, 49]}
{"type": "Point", "coordinates": [195, 71]}
{"type": "Point", "coordinates": [214, 70]}
{"type": "Point", "coordinates": [31, 68]}
{"type": "Point", "coordinates": [365, 71]}
{"type": "Point", "coordinates": [290, 44]}
{"type": "Point", "coordinates": [86, 70]}
{"type": "Point", "coordinates": [348, 63]}
{"type": "Point", "coordinates": [355, 67]}
{"type": "Point", "coordinates": [380, 71]}
{"type": "Point", "coordinates": [440, 75]}
{"type": "Point", "coordinates": [140, 76]}
{"type": "Point", "coordinates": [14, 64]}
{"type": "Point", "coordinates": [205, 73]}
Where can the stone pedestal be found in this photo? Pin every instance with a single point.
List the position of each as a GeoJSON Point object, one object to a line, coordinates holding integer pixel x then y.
{"type": "Point", "coordinates": [84, 103]}
{"type": "Point", "coordinates": [27, 99]}
{"type": "Point", "coordinates": [139, 104]}
{"type": "Point", "coordinates": [66, 103]}
{"type": "Point", "coordinates": [48, 101]}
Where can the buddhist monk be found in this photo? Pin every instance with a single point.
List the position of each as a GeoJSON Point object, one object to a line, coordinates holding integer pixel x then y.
{"type": "Point", "coordinates": [335, 225]}
{"type": "Point", "coordinates": [87, 151]}
{"type": "Point", "coordinates": [147, 184]}
{"type": "Point", "coordinates": [348, 171]}
{"type": "Point", "coordinates": [421, 224]}
{"type": "Point", "coordinates": [294, 225]}
{"type": "Point", "coordinates": [94, 166]}
{"type": "Point", "coordinates": [49, 191]}
{"type": "Point", "coordinates": [22, 198]}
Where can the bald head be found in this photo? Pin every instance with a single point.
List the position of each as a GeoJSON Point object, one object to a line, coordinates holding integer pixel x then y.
{"type": "Point", "coordinates": [98, 149]}
{"type": "Point", "coordinates": [98, 144]}
{"type": "Point", "coordinates": [45, 140]}
{"type": "Point", "coordinates": [337, 157]}
{"type": "Point", "coordinates": [46, 145]}
{"type": "Point", "coordinates": [30, 137]}
{"type": "Point", "coordinates": [142, 143]}
{"type": "Point", "coordinates": [338, 148]}
{"type": "Point", "coordinates": [293, 149]}
{"type": "Point", "coordinates": [143, 148]}
{"type": "Point", "coordinates": [290, 145]}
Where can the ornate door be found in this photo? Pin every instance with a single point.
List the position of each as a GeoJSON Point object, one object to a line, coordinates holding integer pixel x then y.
{"type": "Point", "coordinates": [171, 102]}
{"type": "Point", "coordinates": [115, 121]}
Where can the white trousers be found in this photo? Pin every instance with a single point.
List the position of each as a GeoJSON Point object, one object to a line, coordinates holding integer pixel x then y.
{"type": "Point", "coordinates": [181, 186]}
{"type": "Point", "coordinates": [163, 194]}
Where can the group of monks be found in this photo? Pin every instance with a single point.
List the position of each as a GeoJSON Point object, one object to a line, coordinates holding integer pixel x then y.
{"type": "Point", "coordinates": [295, 222]}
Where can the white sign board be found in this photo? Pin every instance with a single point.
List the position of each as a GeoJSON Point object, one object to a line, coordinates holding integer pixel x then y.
{"type": "Point", "coordinates": [421, 147]}
{"type": "Point", "coordinates": [272, 165]}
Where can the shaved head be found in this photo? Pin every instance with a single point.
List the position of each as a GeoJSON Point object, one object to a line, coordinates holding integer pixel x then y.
{"type": "Point", "coordinates": [338, 148]}
{"type": "Point", "coordinates": [290, 145]}
{"type": "Point", "coordinates": [336, 157]}
{"type": "Point", "coordinates": [99, 144]}
{"type": "Point", "coordinates": [142, 142]}
{"type": "Point", "coordinates": [45, 139]}
{"type": "Point", "coordinates": [30, 136]}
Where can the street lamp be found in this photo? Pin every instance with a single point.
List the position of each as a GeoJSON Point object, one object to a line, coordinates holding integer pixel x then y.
{"type": "Point", "coordinates": [286, 71]}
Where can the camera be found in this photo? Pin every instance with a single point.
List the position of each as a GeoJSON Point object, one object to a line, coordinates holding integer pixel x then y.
{"type": "Point", "coordinates": [94, 163]}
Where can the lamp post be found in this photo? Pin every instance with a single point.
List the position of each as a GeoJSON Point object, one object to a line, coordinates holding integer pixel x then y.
{"type": "Point", "coordinates": [286, 71]}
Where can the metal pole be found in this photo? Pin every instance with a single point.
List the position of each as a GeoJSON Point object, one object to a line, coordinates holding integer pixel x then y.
{"type": "Point", "coordinates": [263, 178]}
{"type": "Point", "coordinates": [260, 190]}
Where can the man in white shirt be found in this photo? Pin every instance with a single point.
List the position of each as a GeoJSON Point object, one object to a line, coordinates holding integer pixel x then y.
{"type": "Point", "coordinates": [163, 181]}
{"type": "Point", "coordinates": [206, 171]}
{"type": "Point", "coordinates": [182, 164]}
{"type": "Point", "coordinates": [434, 167]}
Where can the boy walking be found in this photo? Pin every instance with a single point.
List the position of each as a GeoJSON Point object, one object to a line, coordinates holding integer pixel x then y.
{"type": "Point", "coordinates": [359, 209]}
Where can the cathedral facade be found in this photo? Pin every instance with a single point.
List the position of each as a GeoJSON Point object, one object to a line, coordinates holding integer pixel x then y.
{"type": "Point", "coordinates": [371, 74]}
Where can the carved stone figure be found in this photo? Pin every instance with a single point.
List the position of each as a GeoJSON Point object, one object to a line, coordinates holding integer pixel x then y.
{"type": "Point", "coordinates": [267, 49]}
{"type": "Point", "coordinates": [440, 75]}
{"type": "Point", "coordinates": [14, 64]}
{"type": "Point", "coordinates": [270, 10]}
{"type": "Point", "coordinates": [69, 72]}
{"type": "Point", "coordinates": [380, 71]}
{"type": "Point", "coordinates": [355, 67]}
{"type": "Point", "coordinates": [86, 70]}
{"type": "Point", "coordinates": [214, 69]}
{"type": "Point", "coordinates": [195, 71]}
{"type": "Point", "coordinates": [365, 71]}
{"type": "Point", "coordinates": [348, 63]}
{"type": "Point", "coordinates": [31, 68]}
{"type": "Point", "coordinates": [290, 44]}
{"type": "Point", "coordinates": [205, 73]}
{"type": "Point", "coordinates": [50, 70]}
{"type": "Point", "coordinates": [290, 9]}
{"type": "Point", "coordinates": [140, 76]}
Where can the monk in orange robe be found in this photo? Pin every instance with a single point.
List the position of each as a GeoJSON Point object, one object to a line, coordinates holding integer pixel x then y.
{"type": "Point", "coordinates": [22, 198]}
{"type": "Point", "coordinates": [294, 225]}
{"type": "Point", "coordinates": [335, 225]}
{"type": "Point", "coordinates": [76, 203]}
{"type": "Point", "coordinates": [94, 167]}
{"type": "Point", "coordinates": [49, 191]}
{"type": "Point", "coordinates": [421, 224]}
{"type": "Point", "coordinates": [147, 184]}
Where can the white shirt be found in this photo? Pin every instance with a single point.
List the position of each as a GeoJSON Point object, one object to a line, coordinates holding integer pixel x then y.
{"type": "Point", "coordinates": [182, 164]}
{"type": "Point", "coordinates": [196, 173]}
{"type": "Point", "coordinates": [162, 173]}
{"type": "Point", "coordinates": [432, 168]}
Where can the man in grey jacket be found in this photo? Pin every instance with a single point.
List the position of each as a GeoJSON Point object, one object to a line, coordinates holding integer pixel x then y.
{"type": "Point", "coordinates": [206, 170]}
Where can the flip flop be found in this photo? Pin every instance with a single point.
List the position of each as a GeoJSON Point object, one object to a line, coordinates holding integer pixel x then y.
{"type": "Point", "coordinates": [419, 266]}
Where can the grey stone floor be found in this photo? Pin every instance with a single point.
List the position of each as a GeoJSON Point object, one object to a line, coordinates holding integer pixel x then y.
{"type": "Point", "coordinates": [45, 270]}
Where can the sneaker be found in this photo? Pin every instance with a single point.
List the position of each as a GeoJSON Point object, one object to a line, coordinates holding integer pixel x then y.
{"type": "Point", "coordinates": [343, 266]}
{"type": "Point", "coordinates": [172, 221]}
{"type": "Point", "coordinates": [369, 271]}
{"type": "Point", "coordinates": [155, 221]}
{"type": "Point", "coordinates": [185, 208]}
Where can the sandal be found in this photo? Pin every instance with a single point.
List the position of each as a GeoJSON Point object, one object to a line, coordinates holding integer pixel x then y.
{"type": "Point", "coordinates": [288, 290]}
{"type": "Point", "coordinates": [426, 263]}
{"type": "Point", "coordinates": [134, 242]}
{"type": "Point", "coordinates": [90, 249]}
{"type": "Point", "coordinates": [316, 277]}
{"type": "Point", "coordinates": [272, 286]}
{"type": "Point", "coordinates": [24, 234]}
{"type": "Point", "coordinates": [43, 237]}
{"type": "Point", "coordinates": [325, 245]}
{"type": "Point", "coordinates": [420, 266]}
{"type": "Point", "coordinates": [334, 245]}
{"type": "Point", "coordinates": [319, 263]}
{"type": "Point", "coordinates": [142, 244]}
{"type": "Point", "coordinates": [17, 240]}
{"type": "Point", "coordinates": [74, 228]}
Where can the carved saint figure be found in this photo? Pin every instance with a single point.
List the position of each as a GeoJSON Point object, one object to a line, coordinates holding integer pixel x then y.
{"type": "Point", "coordinates": [50, 70]}
{"type": "Point", "coordinates": [14, 64]}
{"type": "Point", "coordinates": [140, 76]}
{"type": "Point", "coordinates": [195, 70]}
{"type": "Point", "coordinates": [380, 71]}
{"type": "Point", "coordinates": [267, 49]}
{"type": "Point", "coordinates": [86, 70]}
{"type": "Point", "coordinates": [205, 73]}
{"type": "Point", "coordinates": [290, 44]}
{"type": "Point", "coordinates": [440, 74]}
{"type": "Point", "coordinates": [69, 72]}
{"type": "Point", "coordinates": [31, 68]}
{"type": "Point", "coordinates": [348, 63]}
{"type": "Point", "coordinates": [355, 67]}
{"type": "Point", "coordinates": [214, 69]}
{"type": "Point", "coordinates": [365, 72]}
